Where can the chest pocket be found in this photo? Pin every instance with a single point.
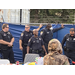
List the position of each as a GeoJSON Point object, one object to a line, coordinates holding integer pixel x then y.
{"type": "Point", "coordinates": [70, 42]}
{"type": "Point", "coordinates": [36, 41]}
{"type": "Point", "coordinates": [6, 37]}
{"type": "Point", "coordinates": [28, 35]}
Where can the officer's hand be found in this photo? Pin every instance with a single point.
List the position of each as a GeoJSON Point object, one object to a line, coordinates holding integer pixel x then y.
{"type": "Point", "coordinates": [21, 48]}
{"type": "Point", "coordinates": [40, 25]}
{"type": "Point", "coordinates": [45, 53]}
{"type": "Point", "coordinates": [10, 44]}
{"type": "Point", "coordinates": [62, 25]}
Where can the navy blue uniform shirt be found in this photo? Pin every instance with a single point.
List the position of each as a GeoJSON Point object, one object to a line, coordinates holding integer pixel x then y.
{"type": "Point", "coordinates": [35, 43]}
{"type": "Point", "coordinates": [47, 34]}
{"type": "Point", "coordinates": [25, 36]}
{"type": "Point", "coordinates": [70, 41]}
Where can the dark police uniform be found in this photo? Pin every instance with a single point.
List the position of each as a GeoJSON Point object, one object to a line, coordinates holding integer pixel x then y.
{"type": "Point", "coordinates": [69, 49]}
{"type": "Point", "coordinates": [25, 36]}
{"type": "Point", "coordinates": [47, 35]}
{"type": "Point", "coordinates": [7, 51]}
{"type": "Point", "coordinates": [36, 45]}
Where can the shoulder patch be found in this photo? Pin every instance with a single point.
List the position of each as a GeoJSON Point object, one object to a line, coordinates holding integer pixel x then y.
{"type": "Point", "coordinates": [29, 40]}
{"type": "Point", "coordinates": [21, 34]}
{"type": "Point", "coordinates": [41, 32]}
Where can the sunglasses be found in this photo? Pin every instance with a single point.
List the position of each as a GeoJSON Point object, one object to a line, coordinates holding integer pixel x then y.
{"type": "Point", "coordinates": [26, 27]}
{"type": "Point", "coordinates": [7, 27]}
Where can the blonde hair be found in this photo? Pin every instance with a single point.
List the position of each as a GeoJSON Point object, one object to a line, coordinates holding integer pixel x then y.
{"type": "Point", "coordinates": [54, 45]}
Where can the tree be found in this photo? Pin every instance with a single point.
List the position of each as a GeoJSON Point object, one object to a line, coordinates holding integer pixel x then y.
{"type": "Point", "coordinates": [53, 15]}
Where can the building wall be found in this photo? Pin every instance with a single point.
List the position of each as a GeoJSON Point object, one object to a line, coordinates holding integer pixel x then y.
{"type": "Point", "coordinates": [13, 15]}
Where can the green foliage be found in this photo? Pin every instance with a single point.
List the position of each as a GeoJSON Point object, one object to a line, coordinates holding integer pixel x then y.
{"type": "Point", "coordinates": [52, 15]}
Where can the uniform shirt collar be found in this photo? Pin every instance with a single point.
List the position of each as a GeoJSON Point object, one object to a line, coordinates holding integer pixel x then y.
{"type": "Point", "coordinates": [4, 32]}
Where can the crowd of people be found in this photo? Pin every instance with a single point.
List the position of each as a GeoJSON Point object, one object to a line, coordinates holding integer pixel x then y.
{"type": "Point", "coordinates": [44, 45]}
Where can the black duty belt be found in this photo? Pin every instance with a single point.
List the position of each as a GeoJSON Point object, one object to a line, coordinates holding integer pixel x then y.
{"type": "Point", "coordinates": [37, 51]}
{"type": "Point", "coordinates": [24, 44]}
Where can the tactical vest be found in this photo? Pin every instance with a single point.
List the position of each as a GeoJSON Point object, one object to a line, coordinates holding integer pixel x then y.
{"type": "Point", "coordinates": [70, 43]}
{"type": "Point", "coordinates": [26, 37]}
{"type": "Point", "coordinates": [48, 36]}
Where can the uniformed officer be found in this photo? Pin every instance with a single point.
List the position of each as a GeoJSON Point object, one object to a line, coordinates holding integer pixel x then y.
{"type": "Point", "coordinates": [36, 43]}
{"type": "Point", "coordinates": [6, 41]}
{"type": "Point", "coordinates": [47, 34]}
{"type": "Point", "coordinates": [69, 48]}
{"type": "Point", "coordinates": [25, 36]}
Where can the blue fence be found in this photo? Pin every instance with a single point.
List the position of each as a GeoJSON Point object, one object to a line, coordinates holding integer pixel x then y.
{"type": "Point", "coordinates": [16, 30]}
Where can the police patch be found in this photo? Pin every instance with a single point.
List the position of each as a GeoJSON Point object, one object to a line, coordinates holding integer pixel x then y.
{"type": "Point", "coordinates": [41, 32]}
{"type": "Point", "coordinates": [29, 40]}
{"type": "Point", "coordinates": [8, 32]}
{"type": "Point", "coordinates": [21, 34]}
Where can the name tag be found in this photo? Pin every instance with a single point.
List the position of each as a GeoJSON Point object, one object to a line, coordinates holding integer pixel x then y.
{"type": "Point", "coordinates": [26, 35]}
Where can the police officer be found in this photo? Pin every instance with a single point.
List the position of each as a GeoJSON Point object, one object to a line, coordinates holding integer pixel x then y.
{"type": "Point", "coordinates": [6, 41]}
{"type": "Point", "coordinates": [47, 34]}
{"type": "Point", "coordinates": [36, 43]}
{"type": "Point", "coordinates": [25, 36]}
{"type": "Point", "coordinates": [69, 48]}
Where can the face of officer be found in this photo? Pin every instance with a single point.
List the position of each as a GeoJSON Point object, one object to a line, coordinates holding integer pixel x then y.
{"type": "Point", "coordinates": [49, 26]}
{"type": "Point", "coordinates": [27, 28]}
{"type": "Point", "coordinates": [6, 28]}
{"type": "Point", "coordinates": [72, 32]}
{"type": "Point", "coordinates": [35, 32]}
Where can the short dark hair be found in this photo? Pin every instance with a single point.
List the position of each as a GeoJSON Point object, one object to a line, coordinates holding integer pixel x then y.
{"type": "Point", "coordinates": [4, 25]}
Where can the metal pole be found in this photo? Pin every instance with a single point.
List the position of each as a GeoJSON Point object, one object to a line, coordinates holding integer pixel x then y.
{"type": "Point", "coordinates": [20, 16]}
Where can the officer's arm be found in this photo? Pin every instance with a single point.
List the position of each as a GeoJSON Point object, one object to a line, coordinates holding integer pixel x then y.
{"type": "Point", "coordinates": [29, 45]}
{"type": "Point", "coordinates": [63, 41]}
{"type": "Point", "coordinates": [4, 42]}
{"type": "Point", "coordinates": [20, 41]}
{"type": "Point", "coordinates": [11, 43]}
{"type": "Point", "coordinates": [44, 49]}
{"type": "Point", "coordinates": [28, 49]}
{"type": "Point", "coordinates": [20, 45]}
{"type": "Point", "coordinates": [39, 27]}
{"type": "Point", "coordinates": [56, 29]}
{"type": "Point", "coordinates": [12, 40]}
{"type": "Point", "coordinates": [42, 43]}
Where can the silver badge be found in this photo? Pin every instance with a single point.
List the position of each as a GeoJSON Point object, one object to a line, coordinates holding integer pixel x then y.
{"type": "Point", "coordinates": [4, 34]}
{"type": "Point", "coordinates": [39, 38]}
{"type": "Point", "coordinates": [68, 39]}
{"type": "Point", "coordinates": [33, 41]}
{"type": "Point", "coordinates": [47, 32]}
